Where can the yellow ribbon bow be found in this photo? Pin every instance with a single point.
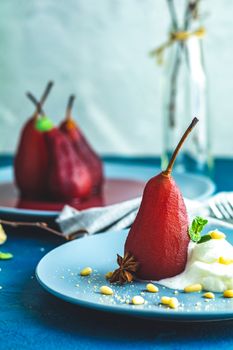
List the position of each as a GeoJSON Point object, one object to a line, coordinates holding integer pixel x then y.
{"type": "Point", "coordinates": [176, 36]}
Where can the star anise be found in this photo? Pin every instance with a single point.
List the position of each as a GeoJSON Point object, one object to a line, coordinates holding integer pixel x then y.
{"type": "Point", "coordinates": [128, 266]}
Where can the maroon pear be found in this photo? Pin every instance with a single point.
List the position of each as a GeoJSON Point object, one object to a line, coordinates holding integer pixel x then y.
{"type": "Point", "coordinates": [31, 159]}
{"type": "Point", "coordinates": [158, 238]}
{"type": "Point", "coordinates": [83, 148]}
{"type": "Point", "coordinates": [68, 176]}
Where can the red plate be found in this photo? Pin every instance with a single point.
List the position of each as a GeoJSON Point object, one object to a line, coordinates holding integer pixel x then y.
{"type": "Point", "coordinates": [114, 191]}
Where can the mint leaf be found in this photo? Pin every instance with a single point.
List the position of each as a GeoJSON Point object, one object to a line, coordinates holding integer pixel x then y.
{"type": "Point", "coordinates": [194, 236]}
{"type": "Point", "coordinates": [5, 256]}
{"type": "Point", "coordinates": [196, 228]}
{"type": "Point", "coordinates": [204, 239]}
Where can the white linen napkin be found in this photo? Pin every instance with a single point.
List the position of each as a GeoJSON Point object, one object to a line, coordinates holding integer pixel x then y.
{"type": "Point", "coordinates": [112, 218]}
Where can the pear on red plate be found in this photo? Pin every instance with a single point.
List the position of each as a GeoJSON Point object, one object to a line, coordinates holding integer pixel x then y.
{"type": "Point", "coordinates": [83, 148]}
{"type": "Point", "coordinates": [31, 159]}
{"type": "Point", "coordinates": [158, 238]}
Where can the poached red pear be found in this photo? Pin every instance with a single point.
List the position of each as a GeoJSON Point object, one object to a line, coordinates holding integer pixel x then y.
{"type": "Point", "coordinates": [158, 238]}
{"type": "Point", "coordinates": [83, 148]}
{"type": "Point", "coordinates": [68, 176]}
{"type": "Point", "coordinates": [31, 159]}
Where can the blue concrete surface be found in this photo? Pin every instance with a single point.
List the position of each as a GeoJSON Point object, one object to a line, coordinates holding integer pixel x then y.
{"type": "Point", "coordinates": [30, 318]}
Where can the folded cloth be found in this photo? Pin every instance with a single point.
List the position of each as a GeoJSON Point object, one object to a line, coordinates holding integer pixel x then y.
{"type": "Point", "coordinates": [115, 217]}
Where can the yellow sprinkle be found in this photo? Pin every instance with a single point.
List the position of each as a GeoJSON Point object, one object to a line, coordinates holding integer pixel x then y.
{"type": "Point", "coordinates": [209, 295]}
{"type": "Point", "coordinates": [108, 275]}
{"type": "Point", "coordinates": [3, 236]}
{"type": "Point", "coordinates": [106, 290]}
{"type": "Point", "coordinates": [138, 300]}
{"type": "Point", "coordinates": [217, 235]}
{"type": "Point", "coordinates": [222, 260]}
{"type": "Point", "coordinates": [173, 303]}
{"type": "Point", "coordinates": [86, 271]}
{"type": "Point", "coordinates": [228, 293]}
{"type": "Point", "coordinates": [150, 287]}
{"type": "Point", "coordinates": [193, 288]}
{"type": "Point", "coordinates": [165, 300]}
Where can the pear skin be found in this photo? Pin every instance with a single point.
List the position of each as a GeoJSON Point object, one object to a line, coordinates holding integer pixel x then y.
{"type": "Point", "coordinates": [31, 162]}
{"type": "Point", "coordinates": [83, 148]}
{"type": "Point", "coordinates": [68, 176]}
{"type": "Point", "coordinates": [158, 238]}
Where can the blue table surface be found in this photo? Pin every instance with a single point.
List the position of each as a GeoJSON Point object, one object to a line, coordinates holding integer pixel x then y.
{"type": "Point", "coordinates": [30, 318]}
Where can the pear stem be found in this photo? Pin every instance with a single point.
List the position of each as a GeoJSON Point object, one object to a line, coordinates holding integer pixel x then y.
{"type": "Point", "coordinates": [32, 98]}
{"type": "Point", "coordinates": [41, 225]}
{"type": "Point", "coordinates": [69, 107]}
{"type": "Point", "coordinates": [178, 147]}
{"type": "Point", "coordinates": [42, 100]}
{"type": "Point", "coordinates": [46, 92]}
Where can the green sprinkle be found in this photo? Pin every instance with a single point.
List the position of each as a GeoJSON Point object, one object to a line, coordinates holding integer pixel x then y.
{"type": "Point", "coordinates": [196, 228]}
{"type": "Point", "coordinates": [5, 256]}
{"type": "Point", "coordinates": [44, 124]}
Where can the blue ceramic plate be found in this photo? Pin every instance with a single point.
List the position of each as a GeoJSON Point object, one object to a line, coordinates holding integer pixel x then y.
{"type": "Point", "coordinates": [192, 186]}
{"type": "Point", "coordinates": [58, 272]}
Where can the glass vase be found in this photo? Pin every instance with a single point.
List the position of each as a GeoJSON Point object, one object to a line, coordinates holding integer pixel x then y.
{"type": "Point", "coordinates": [185, 97]}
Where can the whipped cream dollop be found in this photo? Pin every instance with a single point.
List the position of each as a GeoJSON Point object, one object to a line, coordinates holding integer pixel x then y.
{"type": "Point", "coordinates": [209, 264]}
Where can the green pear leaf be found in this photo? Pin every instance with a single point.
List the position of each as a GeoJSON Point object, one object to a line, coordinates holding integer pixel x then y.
{"type": "Point", "coordinates": [196, 228]}
{"type": "Point", "coordinates": [204, 239]}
